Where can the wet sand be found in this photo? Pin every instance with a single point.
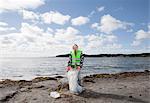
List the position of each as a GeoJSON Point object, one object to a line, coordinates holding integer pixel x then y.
{"type": "Point", "coordinates": [127, 87]}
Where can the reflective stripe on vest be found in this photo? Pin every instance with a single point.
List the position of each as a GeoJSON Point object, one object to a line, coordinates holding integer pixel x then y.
{"type": "Point", "coordinates": [76, 58]}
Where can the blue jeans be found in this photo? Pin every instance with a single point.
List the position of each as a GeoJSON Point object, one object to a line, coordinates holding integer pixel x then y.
{"type": "Point", "coordinates": [79, 78]}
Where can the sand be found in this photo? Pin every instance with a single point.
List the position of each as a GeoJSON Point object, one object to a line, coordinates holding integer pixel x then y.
{"type": "Point", "coordinates": [127, 87]}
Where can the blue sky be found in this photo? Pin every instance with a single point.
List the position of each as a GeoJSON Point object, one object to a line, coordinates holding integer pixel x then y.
{"type": "Point", "coordinates": [51, 27]}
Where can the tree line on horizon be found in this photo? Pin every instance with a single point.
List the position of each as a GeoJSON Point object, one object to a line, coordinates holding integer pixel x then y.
{"type": "Point", "coordinates": [110, 55]}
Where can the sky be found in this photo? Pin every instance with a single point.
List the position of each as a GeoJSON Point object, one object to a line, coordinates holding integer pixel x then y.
{"type": "Point", "coordinates": [41, 28]}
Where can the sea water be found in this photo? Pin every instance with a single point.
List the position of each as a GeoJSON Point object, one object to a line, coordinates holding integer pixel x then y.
{"type": "Point", "coordinates": [28, 68]}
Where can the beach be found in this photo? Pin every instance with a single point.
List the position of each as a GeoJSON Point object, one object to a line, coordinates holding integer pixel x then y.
{"type": "Point", "coordinates": [74, 51]}
{"type": "Point", "coordinates": [125, 87]}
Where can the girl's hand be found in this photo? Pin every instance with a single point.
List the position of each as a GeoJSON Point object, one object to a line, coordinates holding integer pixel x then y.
{"type": "Point", "coordinates": [68, 68]}
{"type": "Point", "coordinates": [78, 68]}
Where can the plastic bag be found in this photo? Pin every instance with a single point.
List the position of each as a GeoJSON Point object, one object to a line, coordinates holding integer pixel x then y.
{"type": "Point", "coordinates": [73, 76]}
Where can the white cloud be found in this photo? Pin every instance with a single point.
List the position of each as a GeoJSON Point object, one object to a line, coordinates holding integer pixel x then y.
{"type": "Point", "coordinates": [32, 40]}
{"type": "Point", "coordinates": [102, 43]}
{"type": "Point", "coordinates": [68, 34]}
{"type": "Point", "coordinates": [95, 25]}
{"type": "Point", "coordinates": [28, 29]}
{"type": "Point", "coordinates": [13, 5]}
{"type": "Point", "coordinates": [99, 9]}
{"type": "Point", "coordinates": [47, 17]}
{"type": "Point", "coordinates": [136, 43]}
{"type": "Point", "coordinates": [54, 17]}
{"type": "Point", "coordinates": [80, 20]}
{"type": "Point", "coordinates": [149, 26]}
{"type": "Point", "coordinates": [130, 30]}
{"type": "Point", "coordinates": [140, 36]}
{"type": "Point", "coordinates": [49, 30]}
{"type": "Point", "coordinates": [4, 27]}
{"type": "Point", "coordinates": [3, 24]}
{"type": "Point", "coordinates": [29, 15]}
{"type": "Point", "coordinates": [91, 13]}
{"type": "Point", "coordinates": [108, 24]}
{"type": "Point", "coordinates": [101, 39]}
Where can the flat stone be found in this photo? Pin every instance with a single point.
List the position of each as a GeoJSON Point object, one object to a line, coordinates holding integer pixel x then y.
{"type": "Point", "coordinates": [7, 93]}
{"type": "Point", "coordinates": [46, 84]}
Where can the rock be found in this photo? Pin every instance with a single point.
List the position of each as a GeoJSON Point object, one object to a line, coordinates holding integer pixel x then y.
{"type": "Point", "coordinates": [59, 77]}
{"type": "Point", "coordinates": [34, 98]}
{"type": "Point", "coordinates": [89, 80]}
{"type": "Point", "coordinates": [119, 88]}
{"type": "Point", "coordinates": [119, 75]}
{"type": "Point", "coordinates": [130, 96]}
{"type": "Point", "coordinates": [6, 94]}
{"type": "Point", "coordinates": [39, 79]}
{"type": "Point", "coordinates": [147, 71]}
{"type": "Point", "coordinates": [37, 86]}
{"type": "Point", "coordinates": [1, 86]}
{"type": "Point", "coordinates": [49, 84]}
{"type": "Point", "coordinates": [55, 94]}
{"type": "Point", "coordinates": [23, 89]}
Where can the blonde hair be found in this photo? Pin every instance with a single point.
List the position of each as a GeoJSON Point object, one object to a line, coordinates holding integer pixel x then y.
{"type": "Point", "coordinates": [75, 45]}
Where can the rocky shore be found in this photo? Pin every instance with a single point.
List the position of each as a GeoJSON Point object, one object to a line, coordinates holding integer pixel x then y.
{"type": "Point", "coordinates": [126, 87]}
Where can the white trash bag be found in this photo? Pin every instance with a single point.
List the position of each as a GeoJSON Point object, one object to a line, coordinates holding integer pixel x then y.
{"type": "Point", "coordinates": [73, 76]}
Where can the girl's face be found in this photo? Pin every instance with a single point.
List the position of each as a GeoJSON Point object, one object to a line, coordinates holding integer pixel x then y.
{"type": "Point", "coordinates": [75, 47]}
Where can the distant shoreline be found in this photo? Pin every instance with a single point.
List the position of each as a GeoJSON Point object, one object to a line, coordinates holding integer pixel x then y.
{"type": "Point", "coordinates": [111, 55]}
